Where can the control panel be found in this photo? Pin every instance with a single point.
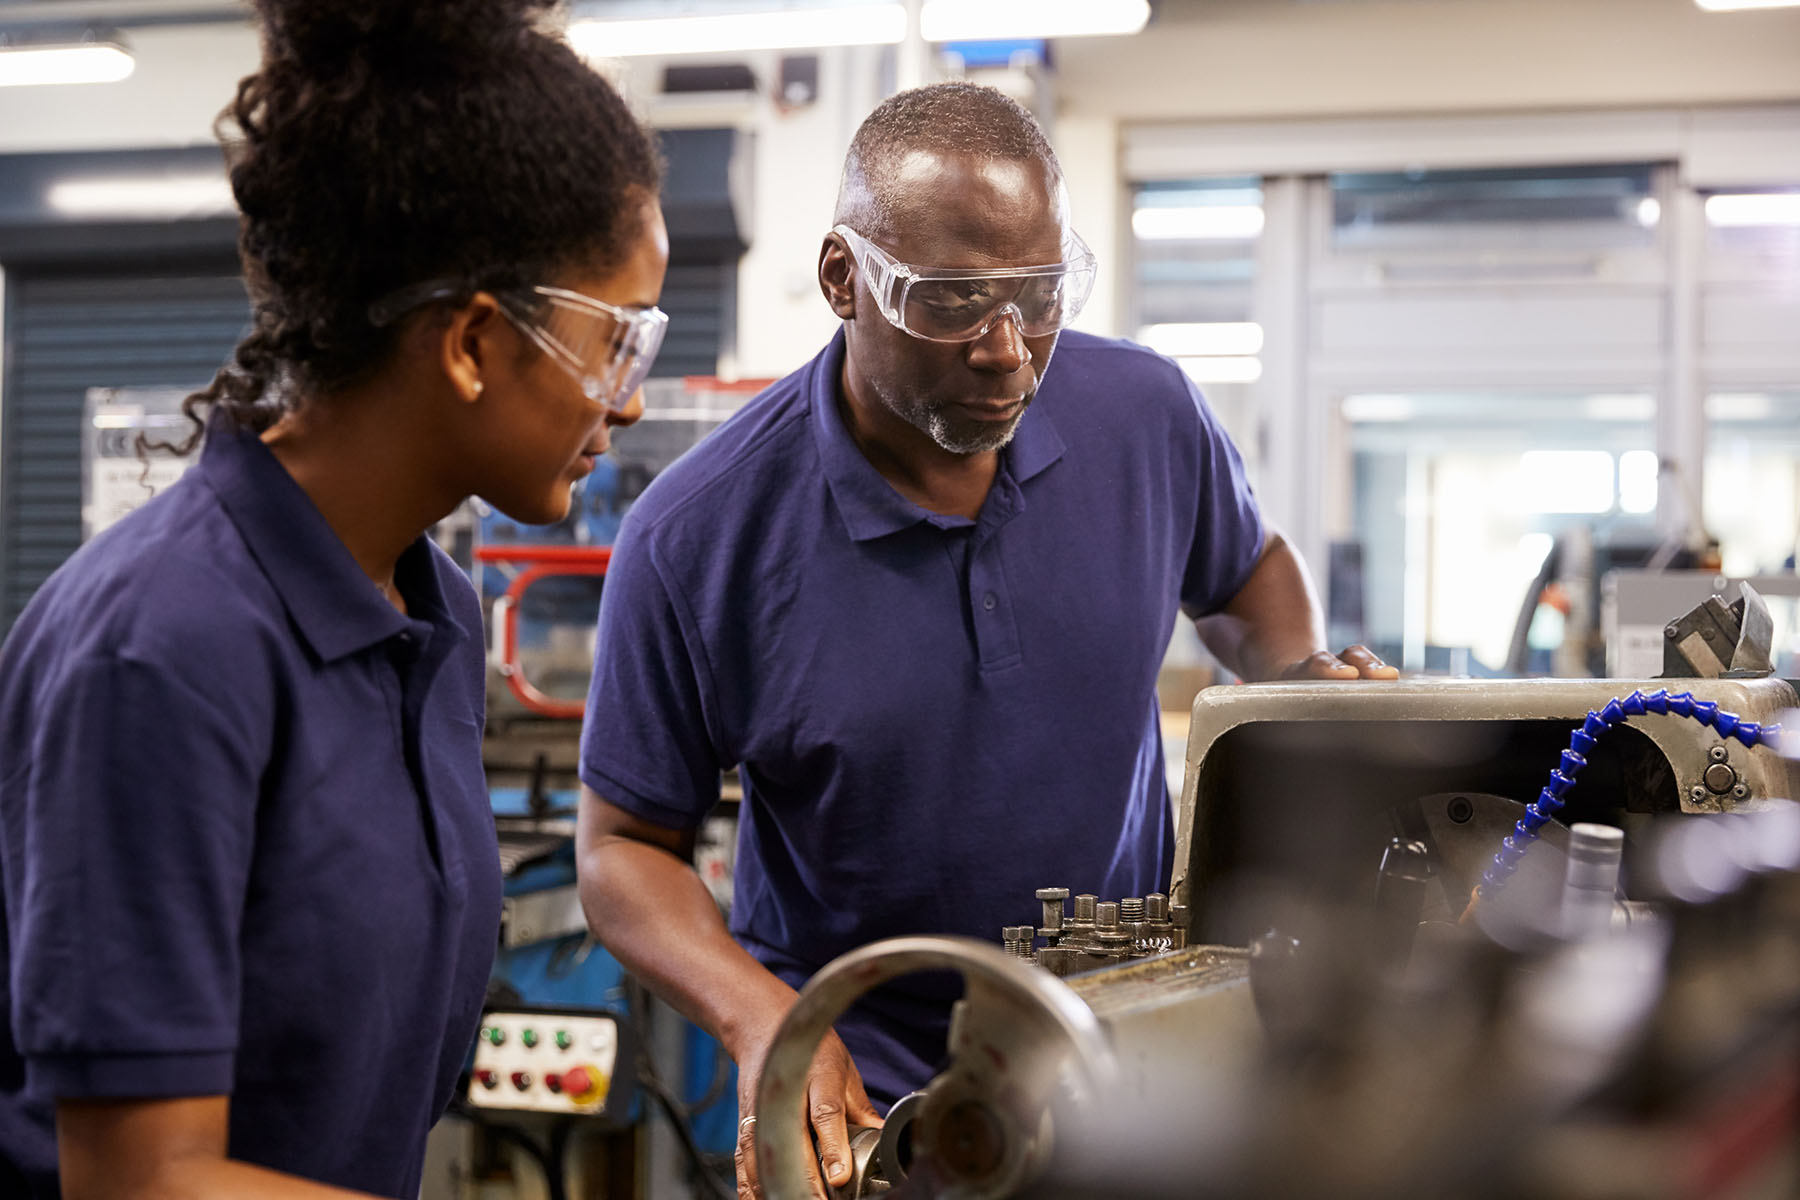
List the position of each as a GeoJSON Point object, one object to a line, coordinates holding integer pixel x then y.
{"type": "Point", "coordinates": [553, 1061]}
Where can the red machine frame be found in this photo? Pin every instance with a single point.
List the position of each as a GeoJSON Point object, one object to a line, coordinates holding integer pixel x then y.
{"type": "Point", "coordinates": [539, 562]}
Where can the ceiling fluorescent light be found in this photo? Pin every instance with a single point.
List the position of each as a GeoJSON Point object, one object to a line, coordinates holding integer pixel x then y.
{"type": "Point", "coordinates": [1209, 337]}
{"type": "Point", "coordinates": [1379, 406]}
{"type": "Point", "coordinates": [1240, 369]}
{"type": "Point", "coordinates": [1008, 20]}
{"type": "Point", "coordinates": [167, 197]}
{"type": "Point", "coordinates": [33, 64]}
{"type": "Point", "coordinates": [1740, 5]}
{"type": "Point", "coordinates": [1740, 406]}
{"type": "Point", "coordinates": [1754, 208]}
{"type": "Point", "coordinates": [1203, 223]}
{"type": "Point", "coordinates": [786, 29]}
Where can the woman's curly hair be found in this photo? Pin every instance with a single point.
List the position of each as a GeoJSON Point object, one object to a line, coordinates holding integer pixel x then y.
{"type": "Point", "coordinates": [384, 143]}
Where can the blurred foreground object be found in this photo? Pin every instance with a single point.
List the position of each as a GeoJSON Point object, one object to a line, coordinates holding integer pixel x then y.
{"type": "Point", "coordinates": [1300, 1016]}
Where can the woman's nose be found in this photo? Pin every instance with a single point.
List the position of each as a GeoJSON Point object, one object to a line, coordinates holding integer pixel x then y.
{"type": "Point", "coordinates": [629, 412]}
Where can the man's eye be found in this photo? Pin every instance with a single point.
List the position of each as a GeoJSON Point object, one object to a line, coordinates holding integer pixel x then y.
{"type": "Point", "coordinates": [957, 296]}
{"type": "Point", "coordinates": [949, 304]}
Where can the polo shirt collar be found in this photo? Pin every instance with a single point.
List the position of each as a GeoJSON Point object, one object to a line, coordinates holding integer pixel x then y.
{"type": "Point", "coordinates": [870, 506]}
{"type": "Point", "coordinates": [331, 602]}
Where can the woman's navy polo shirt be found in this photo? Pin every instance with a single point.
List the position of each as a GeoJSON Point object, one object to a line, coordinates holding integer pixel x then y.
{"type": "Point", "coordinates": [933, 717]}
{"type": "Point", "coordinates": [245, 836]}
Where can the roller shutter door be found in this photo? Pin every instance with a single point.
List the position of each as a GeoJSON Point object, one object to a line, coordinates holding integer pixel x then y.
{"type": "Point", "coordinates": [698, 296]}
{"type": "Point", "coordinates": [66, 333]}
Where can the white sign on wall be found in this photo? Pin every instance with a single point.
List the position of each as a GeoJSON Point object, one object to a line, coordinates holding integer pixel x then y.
{"type": "Point", "coordinates": [118, 476]}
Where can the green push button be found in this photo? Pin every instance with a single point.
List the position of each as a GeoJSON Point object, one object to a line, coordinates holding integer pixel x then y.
{"type": "Point", "coordinates": [563, 1040]}
{"type": "Point", "coordinates": [494, 1034]}
{"type": "Point", "coordinates": [529, 1037]}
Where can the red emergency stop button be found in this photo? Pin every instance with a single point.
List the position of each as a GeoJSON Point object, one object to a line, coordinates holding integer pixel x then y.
{"type": "Point", "coordinates": [521, 1080]}
{"type": "Point", "coordinates": [487, 1078]}
{"type": "Point", "coordinates": [584, 1084]}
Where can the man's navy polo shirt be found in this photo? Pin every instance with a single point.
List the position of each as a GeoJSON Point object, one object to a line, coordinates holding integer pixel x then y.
{"type": "Point", "coordinates": [933, 717]}
{"type": "Point", "coordinates": [245, 838]}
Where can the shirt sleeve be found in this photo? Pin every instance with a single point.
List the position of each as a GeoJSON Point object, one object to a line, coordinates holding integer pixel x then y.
{"type": "Point", "coordinates": [645, 741]}
{"type": "Point", "coordinates": [135, 821]}
{"type": "Point", "coordinates": [1228, 529]}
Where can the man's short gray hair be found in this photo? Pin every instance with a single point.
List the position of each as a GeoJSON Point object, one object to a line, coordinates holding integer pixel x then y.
{"type": "Point", "coordinates": [943, 118]}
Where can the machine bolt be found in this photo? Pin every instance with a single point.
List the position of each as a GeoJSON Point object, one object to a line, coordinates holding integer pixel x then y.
{"type": "Point", "coordinates": [1084, 908]}
{"type": "Point", "coordinates": [1106, 915]}
{"type": "Point", "coordinates": [1671, 631]}
{"type": "Point", "coordinates": [1131, 910]}
{"type": "Point", "coordinates": [1178, 917]}
{"type": "Point", "coordinates": [1719, 778]}
{"type": "Point", "coordinates": [1052, 899]}
{"type": "Point", "coordinates": [1717, 754]}
{"type": "Point", "coordinates": [1740, 792]}
{"type": "Point", "coordinates": [1697, 794]}
{"type": "Point", "coordinates": [1461, 810]}
{"type": "Point", "coordinates": [1156, 907]}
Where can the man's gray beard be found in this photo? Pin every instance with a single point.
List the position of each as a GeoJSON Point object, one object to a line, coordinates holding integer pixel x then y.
{"type": "Point", "coordinates": [936, 426]}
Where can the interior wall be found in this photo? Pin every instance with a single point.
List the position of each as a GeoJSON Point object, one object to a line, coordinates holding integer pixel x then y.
{"type": "Point", "coordinates": [797, 152]}
{"type": "Point", "coordinates": [1250, 59]}
{"type": "Point", "coordinates": [1202, 60]}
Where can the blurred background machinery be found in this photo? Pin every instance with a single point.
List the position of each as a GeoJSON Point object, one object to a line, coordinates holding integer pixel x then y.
{"type": "Point", "coordinates": [581, 1083]}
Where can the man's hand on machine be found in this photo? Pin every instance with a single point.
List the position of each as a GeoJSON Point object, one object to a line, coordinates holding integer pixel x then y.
{"type": "Point", "coordinates": [1356, 662]}
{"type": "Point", "coordinates": [835, 1100]}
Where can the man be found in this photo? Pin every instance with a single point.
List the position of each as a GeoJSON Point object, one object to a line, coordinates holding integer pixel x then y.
{"type": "Point", "coordinates": [918, 592]}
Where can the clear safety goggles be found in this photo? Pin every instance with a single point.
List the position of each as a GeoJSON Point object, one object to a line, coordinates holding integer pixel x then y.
{"type": "Point", "coordinates": [959, 304]}
{"type": "Point", "coordinates": [605, 348]}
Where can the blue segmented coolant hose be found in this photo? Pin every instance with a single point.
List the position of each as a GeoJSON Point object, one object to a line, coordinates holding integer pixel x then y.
{"type": "Point", "coordinates": [1581, 744]}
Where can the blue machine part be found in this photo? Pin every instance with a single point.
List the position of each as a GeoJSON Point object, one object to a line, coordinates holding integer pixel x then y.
{"type": "Point", "coordinates": [557, 974]}
{"type": "Point", "coordinates": [516, 801]}
{"type": "Point", "coordinates": [715, 1126]}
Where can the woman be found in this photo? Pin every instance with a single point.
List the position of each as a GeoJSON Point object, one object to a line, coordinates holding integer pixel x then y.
{"type": "Point", "coordinates": [251, 888]}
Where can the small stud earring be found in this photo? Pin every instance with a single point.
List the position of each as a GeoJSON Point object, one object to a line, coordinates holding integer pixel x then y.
{"type": "Point", "coordinates": [478, 386]}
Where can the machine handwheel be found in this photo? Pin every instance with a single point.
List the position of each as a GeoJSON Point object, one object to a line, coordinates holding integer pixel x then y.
{"type": "Point", "coordinates": [980, 1128]}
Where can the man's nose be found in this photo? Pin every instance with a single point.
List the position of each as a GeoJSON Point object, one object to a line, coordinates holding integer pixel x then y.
{"type": "Point", "coordinates": [1002, 348]}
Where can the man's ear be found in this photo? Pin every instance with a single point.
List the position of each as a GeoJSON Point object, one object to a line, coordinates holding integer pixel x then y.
{"type": "Point", "coordinates": [837, 276]}
{"type": "Point", "coordinates": [466, 344]}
